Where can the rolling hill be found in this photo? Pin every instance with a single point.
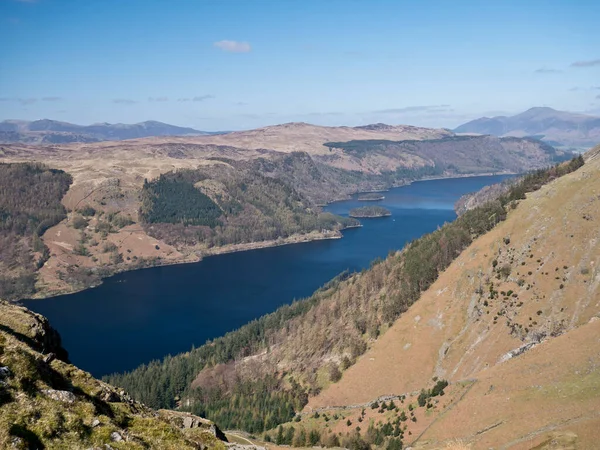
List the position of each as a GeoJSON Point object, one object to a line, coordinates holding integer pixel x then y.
{"type": "Point", "coordinates": [555, 127]}
{"type": "Point", "coordinates": [47, 131]}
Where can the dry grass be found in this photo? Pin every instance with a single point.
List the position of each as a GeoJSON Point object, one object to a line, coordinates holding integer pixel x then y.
{"type": "Point", "coordinates": [450, 332]}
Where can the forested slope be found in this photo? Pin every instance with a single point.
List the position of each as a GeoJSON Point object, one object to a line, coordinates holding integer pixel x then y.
{"type": "Point", "coordinates": [30, 203]}
{"type": "Point", "coordinates": [230, 202]}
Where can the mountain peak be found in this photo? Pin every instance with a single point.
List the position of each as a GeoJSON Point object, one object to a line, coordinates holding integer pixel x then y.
{"type": "Point", "coordinates": [560, 128]}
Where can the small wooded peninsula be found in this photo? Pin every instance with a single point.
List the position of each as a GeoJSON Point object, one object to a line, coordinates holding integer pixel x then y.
{"type": "Point", "coordinates": [369, 212]}
{"type": "Point", "coordinates": [370, 197]}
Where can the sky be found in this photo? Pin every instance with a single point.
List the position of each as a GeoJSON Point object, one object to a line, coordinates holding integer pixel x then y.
{"type": "Point", "coordinates": [240, 64]}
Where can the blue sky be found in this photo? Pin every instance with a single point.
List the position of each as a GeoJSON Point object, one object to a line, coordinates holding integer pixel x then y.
{"type": "Point", "coordinates": [235, 64]}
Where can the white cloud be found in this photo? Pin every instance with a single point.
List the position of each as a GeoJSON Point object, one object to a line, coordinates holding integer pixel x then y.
{"type": "Point", "coordinates": [233, 46]}
{"type": "Point", "coordinates": [591, 63]}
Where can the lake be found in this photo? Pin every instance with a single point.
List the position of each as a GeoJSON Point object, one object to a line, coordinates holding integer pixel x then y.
{"type": "Point", "coordinates": [138, 316]}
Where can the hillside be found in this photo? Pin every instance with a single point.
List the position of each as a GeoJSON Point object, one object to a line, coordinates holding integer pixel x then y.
{"type": "Point", "coordinates": [45, 402]}
{"type": "Point", "coordinates": [182, 215]}
{"type": "Point", "coordinates": [304, 137]}
{"type": "Point", "coordinates": [30, 203]}
{"type": "Point", "coordinates": [54, 132]}
{"type": "Point", "coordinates": [510, 324]}
{"type": "Point", "coordinates": [555, 127]}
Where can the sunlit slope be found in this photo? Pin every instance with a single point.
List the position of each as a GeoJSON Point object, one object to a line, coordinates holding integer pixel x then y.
{"type": "Point", "coordinates": [534, 278]}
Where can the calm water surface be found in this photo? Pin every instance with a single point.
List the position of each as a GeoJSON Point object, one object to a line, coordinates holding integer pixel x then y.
{"type": "Point", "coordinates": [138, 316]}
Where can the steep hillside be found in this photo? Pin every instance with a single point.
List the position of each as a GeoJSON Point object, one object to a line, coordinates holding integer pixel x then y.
{"type": "Point", "coordinates": [54, 132]}
{"type": "Point", "coordinates": [511, 324]}
{"type": "Point", "coordinates": [447, 156]}
{"type": "Point", "coordinates": [555, 127]}
{"type": "Point", "coordinates": [45, 402]}
{"type": "Point", "coordinates": [30, 203]}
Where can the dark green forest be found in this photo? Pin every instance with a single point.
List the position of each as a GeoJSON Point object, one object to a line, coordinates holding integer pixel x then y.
{"type": "Point", "coordinates": [257, 401]}
{"type": "Point", "coordinates": [174, 199]}
{"type": "Point", "coordinates": [30, 203]}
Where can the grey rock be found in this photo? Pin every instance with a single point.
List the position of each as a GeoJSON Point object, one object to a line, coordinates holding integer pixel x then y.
{"type": "Point", "coordinates": [4, 374]}
{"type": "Point", "coordinates": [61, 396]}
{"type": "Point", "coordinates": [49, 358]}
{"type": "Point", "coordinates": [115, 436]}
{"type": "Point", "coordinates": [95, 423]}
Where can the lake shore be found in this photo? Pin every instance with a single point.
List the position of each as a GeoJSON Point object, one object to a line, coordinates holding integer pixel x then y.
{"type": "Point", "coordinates": [195, 255]}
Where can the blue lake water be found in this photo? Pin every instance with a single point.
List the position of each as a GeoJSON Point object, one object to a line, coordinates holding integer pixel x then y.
{"type": "Point", "coordinates": [138, 316]}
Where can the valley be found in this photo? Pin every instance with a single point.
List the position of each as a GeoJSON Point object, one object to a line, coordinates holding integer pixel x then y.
{"type": "Point", "coordinates": [205, 300]}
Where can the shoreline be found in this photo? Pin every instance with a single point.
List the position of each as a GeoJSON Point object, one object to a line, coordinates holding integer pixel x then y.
{"type": "Point", "coordinates": [199, 255]}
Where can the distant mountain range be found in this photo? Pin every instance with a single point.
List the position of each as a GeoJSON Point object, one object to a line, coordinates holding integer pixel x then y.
{"type": "Point", "coordinates": [559, 128]}
{"type": "Point", "coordinates": [47, 131]}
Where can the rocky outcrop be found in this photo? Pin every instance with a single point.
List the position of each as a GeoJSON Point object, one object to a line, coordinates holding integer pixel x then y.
{"type": "Point", "coordinates": [32, 329]}
{"type": "Point", "coordinates": [45, 402]}
{"type": "Point", "coordinates": [486, 194]}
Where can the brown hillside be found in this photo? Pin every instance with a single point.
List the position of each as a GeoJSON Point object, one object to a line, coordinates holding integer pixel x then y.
{"type": "Point", "coordinates": [546, 253]}
{"type": "Point", "coordinates": [300, 136]}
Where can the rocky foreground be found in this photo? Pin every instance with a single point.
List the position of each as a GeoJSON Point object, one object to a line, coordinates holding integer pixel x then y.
{"type": "Point", "coordinates": [46, 402]}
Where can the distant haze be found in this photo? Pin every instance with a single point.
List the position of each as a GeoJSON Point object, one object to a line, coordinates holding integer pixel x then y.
{"type": "Point", "coordinates": [54, 132]}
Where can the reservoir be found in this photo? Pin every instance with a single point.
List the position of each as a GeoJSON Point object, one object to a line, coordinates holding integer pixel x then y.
{"type": "Point", "coordinates": [138, 316]}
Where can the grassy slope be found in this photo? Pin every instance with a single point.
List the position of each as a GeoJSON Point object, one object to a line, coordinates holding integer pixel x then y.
{"type": "Point", "coordinates": [550, 240]}
{"type": "Point", "coordinates": [49, 403]}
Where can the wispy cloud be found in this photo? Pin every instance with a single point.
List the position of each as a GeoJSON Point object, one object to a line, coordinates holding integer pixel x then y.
{"type": "Point", "coordinates": [201, 98]}
{"type": "Point", "coordinates": [415, 109]}
{"type": "Point", "coordinates": [546, 70]}
{"type": "Point", "coordinates": [590, 63]}
{"type": "Point", "coordinates": [158, 99]}
{"type": "Point", "coordinates": [198, 98]}
{"type": "Point", "coordinates": [52, 99]}
{"type": "Point", "coordinates": [124, 101]}
{"type": "Point", "coordinates": [22, 101]}
{"type": "Point", "coordinates": [241, 104]}
{"type": "Point", "coordinates": [580, 88]}
{"type": "Point", "coordinates": [233, 46]}
{"type": "Point", "coordinates": [598, 96]}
